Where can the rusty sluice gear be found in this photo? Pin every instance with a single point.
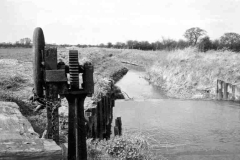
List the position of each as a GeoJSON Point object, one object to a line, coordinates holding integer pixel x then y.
{"type": "Point", "coordinates": [74, 69]}
{"type": "Point", "coordinates": [51, 75]}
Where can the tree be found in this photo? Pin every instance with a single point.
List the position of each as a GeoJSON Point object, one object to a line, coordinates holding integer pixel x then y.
{"type": "Point", "coordinates": [119, 45]}
{"type": "Point", "coordinates": [194, 34]}
{"type": "Point", "coordinates": [205, 44]}
{"type": "Point", "coordinates": [169, 44]}
{"type": "Point", "coordinates": [157, 45]}
{"type": "Point", "coordinates": [230, 40]}
{"type": "Point", "coordinates": [101, 45]}
{"type": "Point", "coordinates": [109, 45]}
{"type": "Point", "coordinates": [130, 44]}
{"type": "Point", "coordinates": [216, 44]}
{"type": "Point", "coordinates": [181, 44]}
{"type": "Point", "coordinates": [25, 41]}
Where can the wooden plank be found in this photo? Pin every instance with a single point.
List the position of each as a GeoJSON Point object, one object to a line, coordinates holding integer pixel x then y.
{"type": "Point", "coordinates": [220, 90]}
{"type": "Point", "coordinates": [233, 92]}
{"type": "Point", "coordinates": [225, 90]}
{"type": "Point", "coordinates": [18, 139]}
{"type": "Point", "coordinates": [55, 76]}
{"type": "Point", "coordinates": [71, 125]}
{"type": "Point", "coordinates": [104, 114]}
{"type": "Point", "coordinates": [53, 117]}
{"type": "Point", "coordinates": [100, 121]}
{"type": "Point", "coordinates": [217, 89]}
{"type": "Point", "coordinates": [237, 93]}
{"type": "Point", "coordinates": [50, 57]}
{"type": "Point", "coordinates": [107, 110]}
{"type": "Point", "coordinates": [81, 150]}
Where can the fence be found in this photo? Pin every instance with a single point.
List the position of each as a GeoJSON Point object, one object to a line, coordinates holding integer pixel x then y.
{"type": "Point", "coordinates": [99, 118]}
{"type": "Point", "coordinates": [227, 91]}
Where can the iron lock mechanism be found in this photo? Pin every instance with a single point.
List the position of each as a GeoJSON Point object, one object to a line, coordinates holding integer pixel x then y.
{"type": "Point", "coordinates": [51, 81]}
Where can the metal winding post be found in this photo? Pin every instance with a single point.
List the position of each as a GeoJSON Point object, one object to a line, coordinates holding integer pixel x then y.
{"type": "Point", "coordinates": [52, 76]}
{"type": "Point", "coordinates": [77, 148]}
{"type": "Point", "coordinates": [80, 128]}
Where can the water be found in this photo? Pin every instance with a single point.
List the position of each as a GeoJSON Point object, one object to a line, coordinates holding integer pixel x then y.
{"type": "Point", "coordinates": [136, 87]}
{"type": "Point", "coordinates": [178, 127]}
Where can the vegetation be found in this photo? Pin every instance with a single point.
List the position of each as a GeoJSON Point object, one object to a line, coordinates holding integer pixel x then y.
{"type": "Point", "coordinates": [184, 69]}
{"type": "Point", "coordinates": [195, 36]}
{"type": "Point", "coordinates": [191, 74]}
{"type": "Point", "coordinates": [128, 146]}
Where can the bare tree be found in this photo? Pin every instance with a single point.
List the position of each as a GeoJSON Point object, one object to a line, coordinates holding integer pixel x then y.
{"type": "Point", "coordinates": [193, 35]}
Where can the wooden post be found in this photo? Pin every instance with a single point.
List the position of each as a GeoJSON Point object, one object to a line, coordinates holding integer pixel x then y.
{"type": "Point", "coordinates": [107, 110]}
{"type": "Point", "coordinates": [71, 129]}
{"type": "Point", "coordinates": [50, 59]}
{"type": "Point", "coordinates": [104, 114]}
{"type": "Point", "coordinates": [217, 89]}
{"type": "Point", "coordinates": [220, 90]}
{"type": "Point", "coordinates": [81, 149]}
{"type": "Point", "coordinates": [118, 126]}
{"type": "Point", "coordinates": [100, 120]}
{"type": "Point", "coordinates": [237, 93]}
{"type": "Point", "coordinates": [225, 90]}
{"type": "Point", "coordinates": [233, 92]}
{"type": "Point", "coordinates": [77, 148]}
{"type": "Point", "coordinates": [229, 91]}
{"type": "Point", "coordinates": [52, 115]}
{"type": "Point", "coordinates": [109, 120]}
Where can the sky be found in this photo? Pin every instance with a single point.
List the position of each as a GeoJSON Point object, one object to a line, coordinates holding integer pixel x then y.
{"type": "Point", "coordinates": [103, 21]}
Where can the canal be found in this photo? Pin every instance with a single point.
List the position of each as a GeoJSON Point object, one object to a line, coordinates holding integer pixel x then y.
{"type": "Point", "coordinates": [179, 128]}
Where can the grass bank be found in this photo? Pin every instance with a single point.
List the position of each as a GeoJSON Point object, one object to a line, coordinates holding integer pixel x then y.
{"type": "Point", "coordinates": [16, 81]}
{"type": "Point", "coordinates": [193, 75]}
{"type": "Point", "coordinates": [186, 74]}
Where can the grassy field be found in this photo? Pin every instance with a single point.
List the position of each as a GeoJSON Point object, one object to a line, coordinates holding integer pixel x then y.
{"type": "Point", "coordinates": [181, 73]}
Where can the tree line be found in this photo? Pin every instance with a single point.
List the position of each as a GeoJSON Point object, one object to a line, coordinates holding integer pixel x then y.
{"type": "Point", "coordinates": [24, 42]}
{"type": "Point", "coordinates": [194, 36]}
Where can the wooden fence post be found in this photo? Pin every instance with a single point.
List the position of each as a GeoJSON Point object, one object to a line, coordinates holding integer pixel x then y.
{"type": "Point", "coordinates": [237, 93]}
{"type": "Point", "coordinates": [225, 90]}
{"type": "Point", "coordinates": [220, 87]}
{"type": "Point", "coordinates": [233, 91]}
{"type": "Point", "coordinates": [229, 91]}
{"type": "Point", "coordinates": [99, 120]}
{"type": "Point", "coordinates": [217, 89]}
{"type": "Point", "coordinates": [118, 127]}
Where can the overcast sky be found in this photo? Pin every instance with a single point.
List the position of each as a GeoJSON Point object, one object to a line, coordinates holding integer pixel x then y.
{"type": "Point", "coordinates": [102, 21]}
